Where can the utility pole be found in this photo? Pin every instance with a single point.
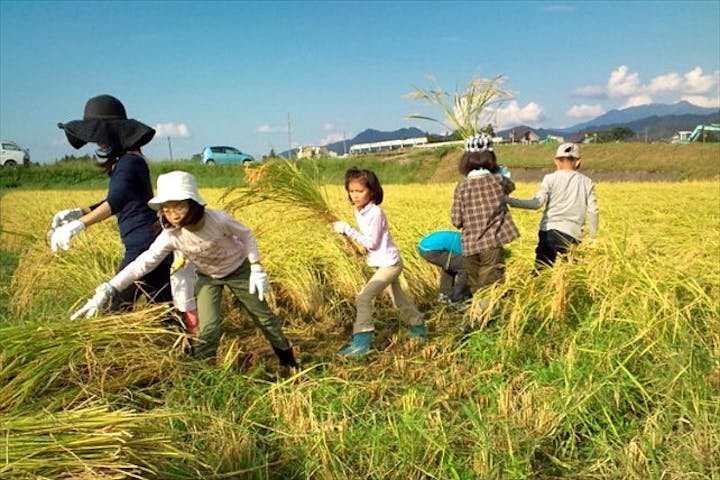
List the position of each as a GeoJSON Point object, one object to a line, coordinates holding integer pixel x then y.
{"type": "Point", "coordinates": [344, 149]}
{"type": "Point", "coordinates": [170, 148]}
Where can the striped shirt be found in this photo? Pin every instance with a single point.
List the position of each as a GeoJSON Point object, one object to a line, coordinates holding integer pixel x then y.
{"type": "Point", "coordinates": [479, 209]}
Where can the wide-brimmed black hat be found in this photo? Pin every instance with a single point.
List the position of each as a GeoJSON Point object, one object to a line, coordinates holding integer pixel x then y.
{"type": "Point", "coordinates": [105, 122]}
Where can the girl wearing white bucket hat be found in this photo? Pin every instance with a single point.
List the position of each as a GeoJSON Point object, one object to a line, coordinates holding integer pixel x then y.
{"type": "Point", "coordinates": [224, 253]}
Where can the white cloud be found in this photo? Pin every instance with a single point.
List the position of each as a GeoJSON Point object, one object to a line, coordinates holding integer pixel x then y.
{"type": "Point", "coordinates": [701, 101]}
{"type": "Point", "coordinates": [590, 91]}
{"type": "Point", "coordinates": [268, 129]}
{"type": "Point", "coordinates": [696, 82]}
{"type": "Point", "coordinates": [332, 138]}
{"type": "Point", "coordinates": [622, 83]}
{"type": "Point", "coordinates": [512, 114]}
{"type": "Point", "coordinates": [328, 126]}
{"type": "Point", "coordinates": [665, 83]}
{"type": "Point", "coordinates": [636, 101]}
{"type": "Point", "coordinates": [585, 111]}
{"type": "Point", "coordinates": [172, 130]}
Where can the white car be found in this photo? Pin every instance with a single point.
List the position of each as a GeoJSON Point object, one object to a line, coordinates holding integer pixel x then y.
{"type": "Point", "coordinates": [11, 154]}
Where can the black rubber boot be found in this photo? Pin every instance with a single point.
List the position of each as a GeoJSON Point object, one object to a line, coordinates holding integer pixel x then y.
{"type": "Point", "coordinates": [287, 358]}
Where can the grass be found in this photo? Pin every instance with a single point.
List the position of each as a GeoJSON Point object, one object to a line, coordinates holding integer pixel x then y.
{"type": "Point", "coordinates": [603, 367]}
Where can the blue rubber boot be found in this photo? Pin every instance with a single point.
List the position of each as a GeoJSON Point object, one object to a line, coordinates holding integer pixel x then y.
{"type": "Point", "coordinates": [360, 345]}
{"type": "Point", "coordinates": [417, 331]}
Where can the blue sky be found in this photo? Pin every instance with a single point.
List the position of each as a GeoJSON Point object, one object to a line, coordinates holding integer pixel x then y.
{"type": "Point", "coordinates": [232, 72]}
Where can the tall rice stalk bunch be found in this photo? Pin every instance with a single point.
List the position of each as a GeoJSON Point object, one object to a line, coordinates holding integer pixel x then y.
{"type": "Point", "coordinates": [89, 441]}
{"type": "Point", "coordinates": [286, 185]}
{"type": "Point", "coordinates": [463, 110]}
{"type": "Point", "coordinates": [297, 193]}
{"type": "Point", "coordinates": [41, 274]}
{"type": "Point", "coordinates": [58, 363]}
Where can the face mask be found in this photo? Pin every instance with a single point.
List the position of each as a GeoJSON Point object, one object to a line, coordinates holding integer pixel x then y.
{"type": "Point", "coordinates": [102, 154]}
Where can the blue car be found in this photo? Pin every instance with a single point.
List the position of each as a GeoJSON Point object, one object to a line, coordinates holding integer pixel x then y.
{"type": "Point", "coordinates": [223, 155]}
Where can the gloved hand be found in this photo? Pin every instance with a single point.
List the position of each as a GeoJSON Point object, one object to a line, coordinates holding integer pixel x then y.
{"type": "Point", "coordinates": [503, 170]}
{"type": "Point", "coordinates": [103, 294]}
{"type": "Point", "coordinates": [258, 281]}
{"type": "Point", "coordinates": [61, 237]}
{"type": "Point", "coordinates": [342, 228]}
{"type": "Point", "coordinates": [65, 216]}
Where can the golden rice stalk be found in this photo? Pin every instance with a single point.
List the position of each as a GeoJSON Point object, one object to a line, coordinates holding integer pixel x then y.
{"type": "Point", "coordinates": [466, 108]}
{"type": "Point", "coordinates": [61, 362]}
{"type": "Point", "coordinates": [287, 185]}
{"type": "Point", "coordinates": [284, 185]}
{"type": "Point", "coordinates": [90, 441]}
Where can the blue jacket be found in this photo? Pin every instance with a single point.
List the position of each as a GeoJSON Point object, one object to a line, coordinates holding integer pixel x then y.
{"type": "Point", "coordinates": [444, 241]}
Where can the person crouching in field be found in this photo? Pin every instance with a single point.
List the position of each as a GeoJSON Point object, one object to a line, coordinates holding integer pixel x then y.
{"type": "Point", "coordinates": [568, 196]}
{"type": "Point", "coordinates": [480, 211]}
{"type": "Point", "coordinates": [223, 252]}
{"type": "Point", "coordinates": [366, 194]}
{"type": "Point", "coordinates": [443, 248]}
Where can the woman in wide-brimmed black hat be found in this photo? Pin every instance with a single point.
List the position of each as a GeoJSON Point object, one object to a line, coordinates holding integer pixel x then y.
{"type": "Point", "coordinates": [119, 139]}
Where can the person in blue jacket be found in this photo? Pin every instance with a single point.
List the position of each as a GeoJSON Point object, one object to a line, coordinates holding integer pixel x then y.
{"type": "Point", "coordinates": [119, 139]}
{"type": "Point", "coordinates": [443, 248]}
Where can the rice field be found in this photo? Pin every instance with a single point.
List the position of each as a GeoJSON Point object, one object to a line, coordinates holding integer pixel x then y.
{"type": "Point", "coordinates": [605, 367]}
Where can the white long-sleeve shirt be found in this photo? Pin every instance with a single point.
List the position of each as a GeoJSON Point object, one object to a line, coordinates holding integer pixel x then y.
{"type": "Point", "coordinates": [568, 196]}
{"type": "Point", "coordinates": [374, 235]}
{"type": "Point", "coordinates": [217, 248]}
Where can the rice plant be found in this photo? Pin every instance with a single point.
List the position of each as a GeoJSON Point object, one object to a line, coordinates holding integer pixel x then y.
{"type": "Point", "coordinates": [466, 109]}
{"type": "Point", "coordinates": [605, 366]}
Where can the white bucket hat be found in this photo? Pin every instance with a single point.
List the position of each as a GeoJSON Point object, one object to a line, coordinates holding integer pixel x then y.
{"type": "Point", "coordinates": [173, 187]}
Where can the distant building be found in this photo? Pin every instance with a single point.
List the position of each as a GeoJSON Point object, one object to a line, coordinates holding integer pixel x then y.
{"type": "Point", "coordinates": [310, 151]}
{"type": "Point", "coordinates": [523, 135]}
{"type": "Point", "coordinates": [388, 145]}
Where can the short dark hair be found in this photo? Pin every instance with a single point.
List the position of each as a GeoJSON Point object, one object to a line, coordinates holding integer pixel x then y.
{"type": "Point", "coordinates": [194, 215]}
{"type": "Point", "coordinates": [475, 160]}
{"type": "Point", "coordinates": [368, 179]}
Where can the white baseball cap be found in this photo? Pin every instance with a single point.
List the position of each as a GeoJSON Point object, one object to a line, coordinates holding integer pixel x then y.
{"type": "Point", "coordinates": [173, 187]}
{"type": "Point", "coordinates": [568, 150]}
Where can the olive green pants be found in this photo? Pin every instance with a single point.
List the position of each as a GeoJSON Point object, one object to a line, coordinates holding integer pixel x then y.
{"type": "Point", "coordinates": [208, 295]}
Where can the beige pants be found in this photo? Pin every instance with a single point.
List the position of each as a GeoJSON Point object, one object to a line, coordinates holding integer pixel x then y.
{"type": "Point", "coordinates": [384, 279]}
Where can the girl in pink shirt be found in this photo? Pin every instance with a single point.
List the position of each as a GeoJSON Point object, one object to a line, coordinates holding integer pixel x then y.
{"type": "Point", "coordinates": [366, 194]}
{"type": "Point", "coordinates": [224, 253]}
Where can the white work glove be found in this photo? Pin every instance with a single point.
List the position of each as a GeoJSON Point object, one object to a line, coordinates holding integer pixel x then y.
{"type": "Point", "coordinates": [103, 294]}
{"type": "Point", "coordinates": [61, 237]}
{"type": "Point", "coordinates": [342, 228]}
{"type": "Point", "coordinates": [65, 216]}
{"type": "Point", "coordinates": [258, 281]}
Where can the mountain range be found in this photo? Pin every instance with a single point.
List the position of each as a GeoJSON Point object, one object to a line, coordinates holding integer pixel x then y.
{"type": "Point", "coordinates": [649, 122]}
